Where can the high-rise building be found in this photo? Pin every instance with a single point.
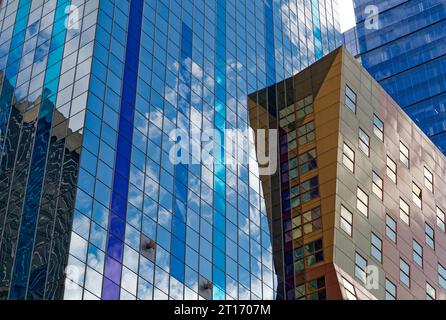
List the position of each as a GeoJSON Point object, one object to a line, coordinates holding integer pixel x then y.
{"type": "Point", "coordinates": [402, 45]}
{"type": "Point", "coordinates": [358, 203]}
{"type": "Point", "coordinates": [350, 39]}
{"type": "Point", "coordinates": [91, 204]}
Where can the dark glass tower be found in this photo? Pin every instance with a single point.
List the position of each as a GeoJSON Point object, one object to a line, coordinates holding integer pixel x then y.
{"type": "Point", "coordinates": [402, 44]}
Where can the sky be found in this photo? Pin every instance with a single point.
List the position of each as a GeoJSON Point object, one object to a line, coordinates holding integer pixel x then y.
{"type": "Point", "coordinates": [347, 14]}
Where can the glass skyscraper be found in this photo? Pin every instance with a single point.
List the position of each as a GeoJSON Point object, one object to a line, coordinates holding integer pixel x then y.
{"type": "Point", "coordinates": [91, 204]}
{"type": "Point", "coordinates": [402, 44]}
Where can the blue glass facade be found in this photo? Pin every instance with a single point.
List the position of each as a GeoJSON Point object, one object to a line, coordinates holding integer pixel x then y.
{"type": "Point", "coordinates": [406, 54]}
{"type": "Point", "coordinates": [91, 204]}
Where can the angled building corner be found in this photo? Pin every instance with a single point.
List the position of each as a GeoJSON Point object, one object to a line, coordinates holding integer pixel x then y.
{"type": "Point", "coordinates": [300, 195]}
{"type": "Point", "coordinates": [351, 203]}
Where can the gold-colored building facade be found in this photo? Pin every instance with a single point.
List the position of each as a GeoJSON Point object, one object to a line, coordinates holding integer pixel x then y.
{"type": "Point", "coordinates": [338, 210]}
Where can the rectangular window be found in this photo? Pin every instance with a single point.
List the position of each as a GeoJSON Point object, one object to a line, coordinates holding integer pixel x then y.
{"type": "Point", "coordinates": [304, 192]}
{"type": "Point", "coordinates": [360, 267]}
{"type": "Point", "coordinates": [390, 228]}
{"type": "Point", "coordinates": [417, 253]}
{"type": "Point", "coordinates": [350, 99]}
{"type": "Point", "coordinates": [307, 161]}
{"type": "Point", "coordinates": [300, 291]}
{"type": "Point", "coordinates": [390, 290]}
{"type": "Point", "coordinates": [404, 154]}
{"type": "Point", "coordinates": [304, 107]}
{"type": "Point", "coordinates": [440, 219]}
{"type": "Point", "coordinates": [302, 164]}
{"type": "Point", "coordinates": [404, 212]}
{"type": "Point", "coordinates": [293, 170]}
{"type": "Point", "coordinates": [416, 195]}
{"type": "Point", "coordinates": [364, 142]}
{"type": "Point", "coordinates": [287, 116]}
{"type": "Point", "coordinates": [378, 127]}
{"type": "Point", "coordinates": [429, 235]}
{"type": "Point", "coordinates": [441, 276]}
{"type": "Point", "coordinates": [430, 292]}
{"type": "Point", "coordinates": [348, 157]}
{"type": "Point", "coordinates": [308, 255]}
{"type": "Point", "coordinates": [377, 245]}
{"type": "Point", "coordinates": [362, 202]}
{"type": "Point", "coordinates": [306, 133]}
{"type": "Point", "coordinates": [311, 290]}
{"type": "Point", "coordinates": [350, 291]}
{"type": "Point", "coordinates": [301, 136]}
{"type": "Point", "coordinates": [428, 180]}
{"type": "Point", "coordinates": [391, 169]}
{"type": "Point", "coordinates": [307, 222]}
{"type": "Point", "coordinates": [291, 142]}
{"type": "Point", "coordinates": [404, 273]}
{"type": "Point", "coordinates": [377, 185]}
{"type": "Point", "coordinates": [346, 220]}
{"type": "Point", "coordinates": [316, 289]}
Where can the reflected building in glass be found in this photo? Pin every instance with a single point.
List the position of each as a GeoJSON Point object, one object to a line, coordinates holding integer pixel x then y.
{"type": "Point", "coordinates": [402, 45]}
{"type": "Point", "coordinates": [358, 204]}
{"type": "Point", "coordinates": [91, 204]}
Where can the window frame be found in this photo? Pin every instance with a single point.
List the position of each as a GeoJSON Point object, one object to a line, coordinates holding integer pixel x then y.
{"type": "Point", "coordinates": [440, 218]}
{"type": "Point", "coordinates": [345, 157]}
{"type": "Point", "coordinates": [362, 144]}
{"type": "Point", "coordinates": [430, 288]}
{"type": "Point", "coordinates": [417, 253]}
{"type": "Point", "coordinates": [287, 115]}
{"type": "Point", "coordinates": [403, 213]}
{"type": "Point", "coordinates": [405, 264]}
{"type": "Point", "coordinates": [360, 272]}
{"type": "Point", "coordinates": [302, 225]}
{"type": "Point", "coordinates": [394, 232]}
{"type": "Point", "coordinates": [305, 105]}
{"type": "Point", "coordinates": [377, 131]}
{"type": "Point", "coordinates": [417, 195]}
{"type": "Point", "coordinates": [388, 293]}
{"type": "Point", "coordinates": [301, 161]}
{"type": "Point", "coordinates": [317, 253]}
{"type": "Point", "coordinates": [309, 290]}
{"type": "Point", "coordinates": [393, 175]}
{"type": "Point", "coordinates": [302, 191]}
{"type": "Point", "coordinates": [441, 276]}
{"type": "Point", "coordinates": [375, 246]}
{"type": "Point", "coordinates": [348, 98]}
{"type": "Point", "coordinates": [359, 200]}
{"type": "Point", "coordinates": [376, 186]}
{"type": "Point", "coordinates": [305, 135]}
{"type": "Point", "coordinates": [428, 181]}
{"type": "Point", "coordinates": [349, 289]}
{"type": "Point", "coordinates": [403, 157]}
{"type": "Point", "coordinates": [429, 239]}
{"type": "Point", "coordinates": [296, 164]}
{"type": "Point", "coordinates": [344, 220]}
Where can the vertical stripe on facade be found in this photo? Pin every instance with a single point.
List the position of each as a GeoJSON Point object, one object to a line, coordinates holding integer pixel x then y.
{"type": "Point", "coordinates": [219, 223]}
{"type": "Point", "coordinates": [286, 219]}
{"type": "Point", "coordinates": [8, 224]}
{"type": "Point", "coordinates": [269, 43]}
{"type": "Point", "coordinates": [121, 174]}
{"type": "Point", "coordinates": [13, 65]}
{"type": "Point", "coordinates": [181, 170]}
{"type": "Point", "coordinates": [318, 51]}
{"type": "Point", "coordinates": [28, 224]}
